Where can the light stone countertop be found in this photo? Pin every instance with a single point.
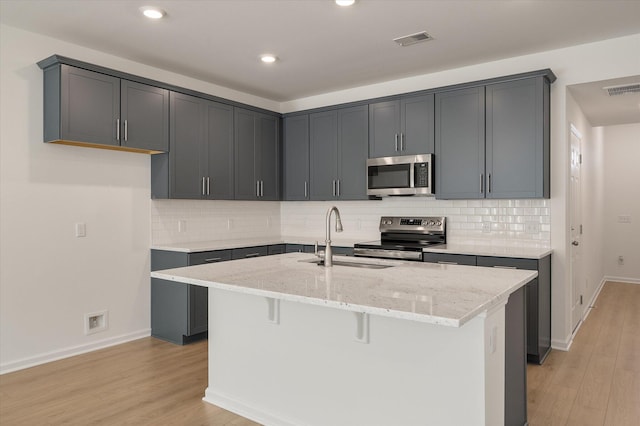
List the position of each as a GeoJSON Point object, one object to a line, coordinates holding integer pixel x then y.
{"type": "Point", "coordinates": [432, 293]}
{"type": "Point", "coordinates": [520, 252]}
{"type": "Point", "coordinates": [199, 246]}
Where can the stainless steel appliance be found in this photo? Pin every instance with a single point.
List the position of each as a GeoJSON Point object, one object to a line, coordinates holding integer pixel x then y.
{"type": "Point", "coordinates": [401, 175]}
{"type": "Point", "coordinates": [404, 237]}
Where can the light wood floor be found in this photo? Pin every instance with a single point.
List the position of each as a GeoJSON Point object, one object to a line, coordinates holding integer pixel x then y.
{"type": "Point", "coordinates": [151, 382]}
{"type": "Point", "coordinates": [598, 381]}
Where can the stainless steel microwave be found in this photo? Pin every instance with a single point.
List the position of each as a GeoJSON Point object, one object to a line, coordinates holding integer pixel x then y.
{"type": "Point", "coordinates": [401, 175]}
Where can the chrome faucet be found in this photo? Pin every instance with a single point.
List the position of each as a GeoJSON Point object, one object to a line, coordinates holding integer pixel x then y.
{"type": "Point", "coordinates": [328, 253]}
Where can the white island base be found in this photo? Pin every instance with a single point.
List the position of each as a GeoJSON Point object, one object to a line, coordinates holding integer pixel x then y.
{"type": "Point", "coordinates": [280, 362]}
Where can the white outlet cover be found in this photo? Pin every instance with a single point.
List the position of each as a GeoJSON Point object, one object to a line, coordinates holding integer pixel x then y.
{"type": "Point", "coordinates": [81, 229]}
{"type": "Point", "coordinates": [102, 322]}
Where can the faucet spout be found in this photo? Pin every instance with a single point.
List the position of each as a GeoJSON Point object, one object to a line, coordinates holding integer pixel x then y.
{"type": "Point", "coordinates": [328, 252]}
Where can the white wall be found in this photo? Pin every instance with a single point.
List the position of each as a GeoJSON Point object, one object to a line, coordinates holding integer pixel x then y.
{"type": "Point", "coordinates": [48, 278]}
{"type": "Point", "coordinates": [622, 197]}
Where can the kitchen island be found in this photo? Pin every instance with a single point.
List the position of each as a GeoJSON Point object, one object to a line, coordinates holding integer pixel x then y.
{"type": "Point", "coordinates": [294, 343]}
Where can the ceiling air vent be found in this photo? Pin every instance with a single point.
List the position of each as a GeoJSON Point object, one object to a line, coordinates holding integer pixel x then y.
{"type": "Point", "coordinates": [413, 39]}
{"type": "Point", "coordinates": [623, 89]}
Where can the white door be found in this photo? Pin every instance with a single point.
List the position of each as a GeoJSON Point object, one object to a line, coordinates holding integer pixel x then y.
{"type": "Point", "coordinates": [575, 193]}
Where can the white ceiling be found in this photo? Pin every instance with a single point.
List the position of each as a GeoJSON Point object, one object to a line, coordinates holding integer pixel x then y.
{"type": "Point", "coordinates": [321, 47]}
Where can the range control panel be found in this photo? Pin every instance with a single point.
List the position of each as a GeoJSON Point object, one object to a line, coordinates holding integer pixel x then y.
{"type": "Point", "coordinates": [412, 224]}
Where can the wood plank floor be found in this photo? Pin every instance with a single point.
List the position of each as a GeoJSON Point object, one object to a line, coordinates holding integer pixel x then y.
{"type": "Point", "coordinates": [598, 381]}
{"type": "Point", "coordinates": [151, 382]}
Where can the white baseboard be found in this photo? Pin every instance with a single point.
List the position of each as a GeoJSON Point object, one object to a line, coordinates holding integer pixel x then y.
{"type": "Point", "coordinates": [72, 351]}
{"type": "Point", "coordinates": [244, 410]}
{"type": "Point", "coordinates": [622, 279]}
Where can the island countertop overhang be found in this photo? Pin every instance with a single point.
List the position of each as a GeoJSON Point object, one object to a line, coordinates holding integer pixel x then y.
{"type": "Point", "coordinates": [447, 295]}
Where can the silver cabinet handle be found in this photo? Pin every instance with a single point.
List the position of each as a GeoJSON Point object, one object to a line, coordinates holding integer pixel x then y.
{"type": "Point", "coordinates": [489, 181]}
{"type": "Point", "coordinates": [338, 187]}
{"type": "Point", "coordinates": [305, 189]}
{"type": "Point", "coordinates": [208, 186]}
{"type": "Point", "coordinates": [203, 192]}
{"type": "Point", "coordinates": [334, 187]}
{"type": "Point", "coordinates": [262, 188]}
{"type": "Point", "coordinates": [482, 183]}
{"type": "Point", "coordinates": [505, 267]}
{"type": "Point", "coordinates": [442, 262]}
{"type": "Point", "coordinates": [252, 255]}
{"type": "Point", "coordinates": [257, 188]}
{"type": "Point", "coordinates": [126, 130]}
{"type": "Point", "coordinates": [396, 137]}
{"type": "Point", "coordinates": [118, 129]}
{"type": "Point", "coordinates": [401, 141]}
{"type": "Point", "coordinates": [213, 259]}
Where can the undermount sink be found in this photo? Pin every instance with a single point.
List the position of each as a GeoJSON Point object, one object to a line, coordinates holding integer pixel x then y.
{"type": "Point", "coordinates": [354, 264]}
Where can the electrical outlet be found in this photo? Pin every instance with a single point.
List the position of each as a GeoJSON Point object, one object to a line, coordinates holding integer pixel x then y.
{"type": "Point", "coordinates": [620, 260]}
{"type": "Point", "coordinates": [486, 226]}
{"type": "Point", "coordinates": [229, 223]}
{"type": "Point", "coordinates": [96, 322]}
{"type": "Point", "coordinates": [532, 227]}
{"type": "Point", "coordinates": [182, 225]}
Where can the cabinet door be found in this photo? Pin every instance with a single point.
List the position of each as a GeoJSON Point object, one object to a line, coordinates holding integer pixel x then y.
{"type": "Point", "coordinates": [296, 158]}
{"type": "Point", "coordinates": [384, 129]}
{"type": "Point", "coordinates": [89, 106]}
{"type": "Point", "coordinates": [352, 153]}
{"type": "Point", "coordinates": [247, 252]}
{"type": "Point", "coordinates": [323, 137]}
{"type": "Point", "coordinates": [186, 154]}
{"type": "Point", "coordinates": [219, 148]}
{"type": "Point", "coordinates": [198, 309]}
{"type": "Point", "coordinates": [515, 139]}
{"type": "Point", "coordinates": [267, 156]}
{"type": "Point", "coordinates": [459, 144]}
{"type": "Point", "coordinates": [417, 122]}
{"type": "Point", "coordinates": [245, 179]}
{"type": "Point", "coordinates": [144, 116]}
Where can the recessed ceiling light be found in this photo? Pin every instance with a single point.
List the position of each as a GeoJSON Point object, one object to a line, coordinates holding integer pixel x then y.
{"type": "Point", "coordinates": [152, 12]}
{"type": "Point", "coordinates": [345, 2]}
{"type": "Point", "coordinates": [268, 58]}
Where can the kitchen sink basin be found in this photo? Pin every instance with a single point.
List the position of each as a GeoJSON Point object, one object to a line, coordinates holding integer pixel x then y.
{"type": "Point", "coordinates": [351, 263]}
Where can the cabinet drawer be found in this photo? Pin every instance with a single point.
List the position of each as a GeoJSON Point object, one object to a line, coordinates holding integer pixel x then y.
{"type": "Point", "coordinates": [242, 253]}
{"type": "Point", "coordinates": [455, 259]}
{"type": "Point", "coordinates": [507, 262]}
{"type": "Point", "coordinates": [276, 249]}
{"type": "Point", "coordinates": [209, 257]}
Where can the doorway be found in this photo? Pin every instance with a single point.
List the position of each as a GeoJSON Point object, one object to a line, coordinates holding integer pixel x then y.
{"type": "Point", "coordinates": [575, 223]}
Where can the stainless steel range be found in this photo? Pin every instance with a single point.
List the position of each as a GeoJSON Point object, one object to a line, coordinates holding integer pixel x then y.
{"type": "Point", "coordinates": [404, 237]}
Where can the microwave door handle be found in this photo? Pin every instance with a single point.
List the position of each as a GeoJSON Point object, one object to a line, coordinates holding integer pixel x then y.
{"type": "Point", "coordinates": [412, 177]}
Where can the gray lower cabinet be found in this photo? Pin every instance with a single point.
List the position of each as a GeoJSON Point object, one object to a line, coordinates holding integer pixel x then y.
{"type": "Point", "coordinates": [538, 295]}
{"type": "Point", "coordinates": [179, 312]}
{"type": "Point", "coordinates": [538, 302]}
{"type": "Point", "coordinates": [89, 108]}
{"type": "Point", "coordinates": [200, 162]}
{"type": "Point", "coordinates": [338, 154]}
{"type": "Point", "coordinates": [296, 158]}
{"type": "Point", "coordinates": [493, 141]}
{"type": "Point", "coordinates": [515, 360]}
{"type": "Point", "coordinates": [402, 127]}
{"type": "Point", "coordinates": [256, 155]}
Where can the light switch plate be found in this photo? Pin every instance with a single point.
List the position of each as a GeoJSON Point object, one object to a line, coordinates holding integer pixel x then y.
{"type": "Point", "coordinates": [624, 218]}
{"type": "Point", "coordinates": [81, 230]}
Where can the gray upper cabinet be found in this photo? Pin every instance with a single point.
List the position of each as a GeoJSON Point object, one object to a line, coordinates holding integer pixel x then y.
{"type": "Point", "coordinates": [402, 127]}
{"type": "Point", "coordinates": [517, 162]}
{"type": "Point", "coordinates": [256, 156]}
{"type": "Point", "coordinates": [296, 158]}
{"type": "Point", "coordinates": [339, 142]}
{"type": "Point", "coordinates": [459, 143]}
{"type": "Point", "coordinates": [493, 141]}
{"type": "Point", "coordinates": [83, 107]}
{"type": "Point", "coordinates": [200, 162]}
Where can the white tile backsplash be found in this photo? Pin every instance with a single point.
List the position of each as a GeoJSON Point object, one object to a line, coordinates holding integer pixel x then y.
{"type": "Point", "coordinates": [500, 222]}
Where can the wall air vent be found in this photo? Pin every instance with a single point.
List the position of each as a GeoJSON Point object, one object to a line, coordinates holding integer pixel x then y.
{"type": "Point", "coordinates": [623, 89]}
{"type": "Point", "coordinates": [413, 39]}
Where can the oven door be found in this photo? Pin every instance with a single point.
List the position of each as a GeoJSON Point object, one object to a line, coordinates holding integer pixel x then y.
{"type": "Point", "coordinates": [402, 175]}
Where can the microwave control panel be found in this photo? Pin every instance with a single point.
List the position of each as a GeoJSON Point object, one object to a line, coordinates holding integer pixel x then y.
{"type": "Point", "coordinates": [421, 175]}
